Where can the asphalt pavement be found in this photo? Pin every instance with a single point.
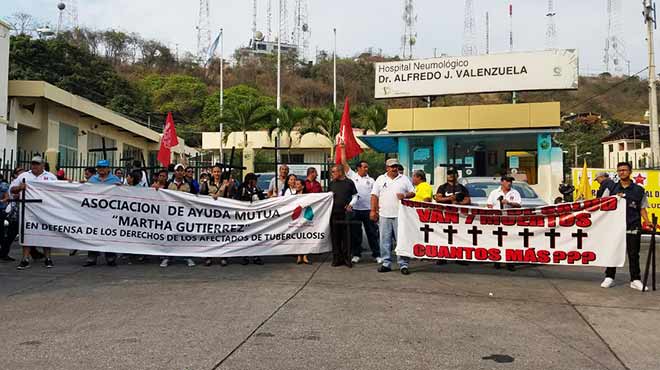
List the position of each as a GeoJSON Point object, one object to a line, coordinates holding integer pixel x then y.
{"type": "Point", "coordinates": [287, 316]}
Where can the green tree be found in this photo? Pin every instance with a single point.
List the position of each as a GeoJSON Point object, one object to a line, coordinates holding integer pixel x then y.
{"type": "Point", "coordinates": [324, 121]}
{"type": "Point", "coordinates": [76, 70]}
{"type": "Point", "coordinates": [233, 97]}
{"type": "Point", "coordinates": [178, 93]}
{"type": "Point", "coordinates": [372, 118]}
{"type": "Point", "coordinates": [289, 120]}
{"type": "Point", "coordinates": [246, 116]}
{"type": "Point", "coordinates": [587, 137]}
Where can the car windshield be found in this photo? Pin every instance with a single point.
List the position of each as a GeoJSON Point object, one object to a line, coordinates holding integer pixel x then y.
{"type": "Point", "coordinates": [483, 189]}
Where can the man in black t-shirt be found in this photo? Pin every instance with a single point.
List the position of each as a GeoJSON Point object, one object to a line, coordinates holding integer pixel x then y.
{"type": "Point", "coordinates": [636, 220]}
{"type": "Point", "coordinates": [344, 192]}
{"type": "Point", "coordinates": [452, 192]}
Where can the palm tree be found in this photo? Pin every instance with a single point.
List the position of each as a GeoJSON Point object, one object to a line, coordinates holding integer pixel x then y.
{"type": "Point", "coordinates": [249, 115]}
{"type": "Point", "coordinates": [373, 118]}
{"type": "Point", "coordinates": [325, 122]}
{"type": "Point", "coordinates": [289, 120]}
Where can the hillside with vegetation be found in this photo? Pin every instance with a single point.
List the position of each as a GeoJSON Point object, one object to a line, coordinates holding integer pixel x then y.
{"type": "Point", "coordinates": [144, 79]}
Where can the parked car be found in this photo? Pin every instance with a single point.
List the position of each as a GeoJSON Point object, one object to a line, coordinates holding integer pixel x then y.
{"type": "Point", "coordinates": [480, 187]}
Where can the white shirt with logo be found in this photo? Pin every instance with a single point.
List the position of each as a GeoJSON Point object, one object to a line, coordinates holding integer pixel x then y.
{"type": "Point", "coordinates": [30, 177]}
{"type": "Point", "coordinates": [364, 185]}
{"type": "Point", "coordinates": [511, 196]}
{"type": "Point", "coordinates": [386, 189]}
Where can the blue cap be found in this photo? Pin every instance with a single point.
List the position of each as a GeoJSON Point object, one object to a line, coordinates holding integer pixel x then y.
{"type": "Point", "coordinates": [103, 163]}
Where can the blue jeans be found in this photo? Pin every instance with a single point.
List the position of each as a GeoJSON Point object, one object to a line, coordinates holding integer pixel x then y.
{"type": "Point", "coordinates": [387, 230]}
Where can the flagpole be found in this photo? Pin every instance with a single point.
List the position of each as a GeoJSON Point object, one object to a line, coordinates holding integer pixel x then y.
{"type": "Point", "coordinates": [279, 77]}
{"type": "Point", "coordinates": [222, 92]}
{"type": "Point", "coordinates": [334, 70]}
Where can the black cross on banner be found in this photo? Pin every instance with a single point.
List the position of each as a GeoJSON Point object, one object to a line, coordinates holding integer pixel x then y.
{"type": "Point", "coordinates": [580, 235]}
{"type": "Point", "coordinates": [426, 230]}
{"type": "Point", "coordinates": [103, 149]}
{"type": "Point", "coordinates": [276, 149]}
{"type": "Point", "coordinates": [475, 232]}
{"type": "Point", "coordinates": [553, 235]}
{"type": "Point", "coordinates": [526, 234]}
{"type": "Point", "coordinates": [500, 234]}
{"type": "Point", "coordinates": [450, 231]}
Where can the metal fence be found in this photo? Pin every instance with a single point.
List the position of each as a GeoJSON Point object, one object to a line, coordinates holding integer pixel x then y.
{"type": "Point", "coordinates": [10, 160]}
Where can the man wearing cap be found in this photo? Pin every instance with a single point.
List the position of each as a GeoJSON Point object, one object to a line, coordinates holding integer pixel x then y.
{"type": "Point", "coordinates": [37, 173]}
{"type": "Point", "coordinates": [361, 209]}
{"type": "Point", "coordinates": [606, 184]}
{"type": "Point", "coordinates": [504, 197]}
{"type": "Point", "coordinates": [386, 196]}
{"type": "Point", "coordinates": [179, 183]}
{"type": "Point", "coordinates": [451, 192]}
{"type": "Point", "coordinates": [103, 176]}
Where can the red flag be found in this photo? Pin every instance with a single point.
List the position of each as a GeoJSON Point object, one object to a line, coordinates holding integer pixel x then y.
{"type": "Point", "coordinates": [167, 141]}
{"type": "Point", "coordinates": [351, 145]}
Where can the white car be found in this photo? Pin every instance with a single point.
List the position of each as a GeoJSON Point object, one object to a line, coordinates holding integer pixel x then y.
{"type": "Point", "coordinates": [480, 187]}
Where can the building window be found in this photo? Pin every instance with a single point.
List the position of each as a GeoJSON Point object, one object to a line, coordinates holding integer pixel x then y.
{"type": "Point", "coordinates": [95, 142]}
{"type": "Point", "coordinates": [68, 145]}
{"type": "Point", "coordinates": [293, 158]}
{"type": "Point", "coordinates": [622, 147]}
{"type": "Point", "coordinates": [130, 154]}
{"type": "Point", "coordinates": [611, 148]}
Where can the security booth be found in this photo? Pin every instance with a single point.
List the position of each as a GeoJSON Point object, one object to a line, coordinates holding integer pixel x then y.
{"type": "Point", "coordinates": [482, 140]}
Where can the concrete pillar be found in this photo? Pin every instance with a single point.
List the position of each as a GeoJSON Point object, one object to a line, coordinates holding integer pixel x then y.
{"type": "Point", "coordinates": [248, 159]}
{"type": "Point", "coordinates": [439, 158]}
{"type": "Point", "coordinates": [547, 183]}
{"type": "Point", "coordinates": [404, 155]}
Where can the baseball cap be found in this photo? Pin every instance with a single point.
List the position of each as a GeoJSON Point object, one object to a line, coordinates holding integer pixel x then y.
{"type": "Point", "coordinates": [602, 173]}
{"type": "Point", "coordinates": [508, 178]}
{"type": "Point", "coordinates": [60, 173]}
{"type": "Point", "coordinates": [103, 163]}
{"type": "Point", "coordinates": [179, 166]}
{"type": "Point", "coordinates": [452, 171]}
{"type": "Point", "coordinates": [37, 159]}
{"type": "Point", "coordinates": [392, 162]}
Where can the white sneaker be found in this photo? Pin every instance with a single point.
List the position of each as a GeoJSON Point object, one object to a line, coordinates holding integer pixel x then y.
{"type": "Point", "coordinates": [355, 259]}
{"type": "Point", "coordinates": [191, 263]}
{"type": "Point", "coordinates": [379, 260]}
{"type": "Point", "coordinates": [637, 285]}
{"type": "Point", "coordinates": [165, 262]}
{"type": "Point", "coordinates": [607, 283]}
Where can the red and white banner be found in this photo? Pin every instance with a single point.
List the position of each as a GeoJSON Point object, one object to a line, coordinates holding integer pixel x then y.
{"type": "Point", "coordinates": [127, 219]}
{"type": "Point", "coordinates": [589, 233]}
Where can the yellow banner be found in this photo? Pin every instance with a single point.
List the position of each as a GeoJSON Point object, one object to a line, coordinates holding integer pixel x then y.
{"type": "Point", "coordinates": [649, 179]}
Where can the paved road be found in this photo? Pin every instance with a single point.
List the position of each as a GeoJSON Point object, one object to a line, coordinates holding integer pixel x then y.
{"type": "Point", "coordinates": [285, 316]}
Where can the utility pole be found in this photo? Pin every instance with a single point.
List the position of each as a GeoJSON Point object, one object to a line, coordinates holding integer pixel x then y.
{"type": "Point", "coordinates": [334, 70]}
{"type": "Point", "coordinates": [649, 19]}
{"type": "Point", "coordinates": [222, 92]}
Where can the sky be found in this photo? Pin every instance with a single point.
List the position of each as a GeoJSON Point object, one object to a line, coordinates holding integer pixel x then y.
{"type": "Point", "coordinates": [376, 24]}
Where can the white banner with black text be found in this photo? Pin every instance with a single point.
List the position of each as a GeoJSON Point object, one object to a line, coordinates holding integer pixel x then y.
{"type": "Point", "coordinates": [138, 220]}
{"type": "Point", "coordinates": [588, 233]}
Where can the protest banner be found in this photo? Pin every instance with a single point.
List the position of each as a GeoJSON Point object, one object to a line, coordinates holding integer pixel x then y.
{"type": "Point", "coordinates": [161, 222]}
{"type": "Point", "coordinates": [590, 233]}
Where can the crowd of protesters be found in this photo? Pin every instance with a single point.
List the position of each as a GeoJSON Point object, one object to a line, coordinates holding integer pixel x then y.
{"type": "Point", "coordinates": [359, 202]}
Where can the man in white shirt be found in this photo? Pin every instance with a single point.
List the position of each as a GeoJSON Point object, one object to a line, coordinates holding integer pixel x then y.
{"type": "Point", "coordinates": [281, 180]}
{"type": "Point", "coordinates": [505, 196]}
{"type": "Point", "coordinates": [386, 195]}
{"type": "Point", "coordinates": [364, 184]}
{"type": "Point", "coordinates": [36, 173]}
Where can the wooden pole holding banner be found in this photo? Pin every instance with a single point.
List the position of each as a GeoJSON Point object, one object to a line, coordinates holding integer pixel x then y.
{"type": "Point", "coordinates": [23, 202]}
{"type": "Point", "coordinates": [650, 259]}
